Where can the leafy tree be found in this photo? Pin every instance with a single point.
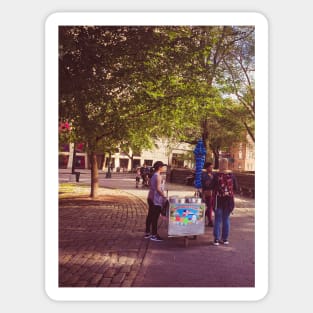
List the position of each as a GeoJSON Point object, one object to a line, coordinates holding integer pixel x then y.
{"type": "Point", "coordinates": [121, 86]}
{"type": "Point", "coordinates": [238, 80]}
{"type": "Point", "coordinates": [203, 65]}
{"type": "Point", "coordinates": [97, 83]}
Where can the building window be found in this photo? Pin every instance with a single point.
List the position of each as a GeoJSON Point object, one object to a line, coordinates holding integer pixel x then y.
{"type": "Point", "coordinates": [63, 161]}
{"type": "Point", "coordinates": [178, 160]}
{"type": "Point", "coordinates": [79, 162]}
{"type": "Point", "coordinates": [148, 162]}
{"type": "Point", "coordinates": [80, 147]}
{"type": "Point", "coordinates": [240, 151]}
{"type": "Point", "coordinates": [65, 147]}
{"type": "Point", "coordinates": [124, 164]}
{"type": "Point", "coordinates": [136, 163]}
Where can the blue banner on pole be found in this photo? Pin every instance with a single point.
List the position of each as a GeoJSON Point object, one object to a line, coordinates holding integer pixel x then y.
{"type": "Point", "coordinates": [199, 153]}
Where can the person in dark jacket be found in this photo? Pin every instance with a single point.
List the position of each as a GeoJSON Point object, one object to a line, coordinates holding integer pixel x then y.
{"type": "Point", "coordinates": [207, 192]}
{"type": "Point", "coordinates": [224, 184]}
{"type": "Point", "coordinates": [145, 175]}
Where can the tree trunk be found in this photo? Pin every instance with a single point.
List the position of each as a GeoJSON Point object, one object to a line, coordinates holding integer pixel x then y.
{"type": "Point", "coordinates": [132, 162]}
{"type": "Point", "coordinates": [249, 132]}
{"type": "Point", "coordinates": [205, 139]}
{"type": "Point", "coordinates": [216, 159]}
{"type": "Point", "coordinates": [94, 175]}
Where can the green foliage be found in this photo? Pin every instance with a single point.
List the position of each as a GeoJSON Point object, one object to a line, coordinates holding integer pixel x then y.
{"type": "Point", "coordinates": [125, 85]}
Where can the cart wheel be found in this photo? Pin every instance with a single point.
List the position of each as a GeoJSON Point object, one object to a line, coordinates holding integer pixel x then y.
{"type": "Point", "coordinates": [186, 241]}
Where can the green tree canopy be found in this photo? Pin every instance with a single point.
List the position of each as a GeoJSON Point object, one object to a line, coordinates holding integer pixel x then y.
{"type": "Point", "coordinates": [123, 85]}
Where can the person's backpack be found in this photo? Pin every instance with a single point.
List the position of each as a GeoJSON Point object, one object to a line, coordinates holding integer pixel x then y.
{"type": "Point", "coordinates": [225, 186]}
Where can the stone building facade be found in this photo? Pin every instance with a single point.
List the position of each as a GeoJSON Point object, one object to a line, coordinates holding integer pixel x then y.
{"type": "Point", "coordinates": [241, 157]}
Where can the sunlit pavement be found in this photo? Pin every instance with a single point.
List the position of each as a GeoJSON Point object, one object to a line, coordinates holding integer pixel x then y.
{"type": "Point", "coordinates": [102, 244]}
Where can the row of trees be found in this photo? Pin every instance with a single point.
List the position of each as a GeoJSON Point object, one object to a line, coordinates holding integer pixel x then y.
{"type": "Point", "coordinates": [124, 86]}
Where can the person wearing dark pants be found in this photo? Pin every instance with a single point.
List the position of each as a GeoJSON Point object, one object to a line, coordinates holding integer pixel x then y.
{"type": "Point", "coordinates": [156, 199]}
{"type": "Point", "coordinates": [152, 219]}
{"type": "Point", "coordinates": [207, 193]}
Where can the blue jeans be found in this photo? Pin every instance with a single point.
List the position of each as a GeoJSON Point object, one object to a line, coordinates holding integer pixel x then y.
{"type": "Point", "coordinates": [221, 218]}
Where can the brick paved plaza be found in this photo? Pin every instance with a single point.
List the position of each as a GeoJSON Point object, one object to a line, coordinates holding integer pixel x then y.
{"type": "Point", "coordinates": [101, 242]}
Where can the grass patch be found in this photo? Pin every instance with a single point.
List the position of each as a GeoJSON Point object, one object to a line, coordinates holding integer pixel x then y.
{"type": "Point", "coordinates": [70, 189]}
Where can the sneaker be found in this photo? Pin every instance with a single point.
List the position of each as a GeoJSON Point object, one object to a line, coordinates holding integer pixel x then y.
{"type": "Point", "coordinates": [156, 238]}
{"type": "Point", "coordinates": [226, 242]}
{"type": "Point", "coordinates": [147, 236]}
{"type": "Point", "coordinates": [216, 242]}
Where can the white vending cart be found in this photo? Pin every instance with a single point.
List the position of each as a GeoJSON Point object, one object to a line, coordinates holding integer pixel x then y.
{"type": "Point", "coordinates": [186, 220]}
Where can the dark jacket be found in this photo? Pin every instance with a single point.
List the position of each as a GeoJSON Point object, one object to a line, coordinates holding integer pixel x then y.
{"type": "Point", "coordinates": [206, 181]}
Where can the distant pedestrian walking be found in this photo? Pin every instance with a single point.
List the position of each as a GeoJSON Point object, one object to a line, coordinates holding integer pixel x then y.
{"type": "Point", "coordinates": [224, 184]}
{"type": "Point", "coordinates": [145, 175]}
{"type": "Point", "coordinates": [138, 175]}
{"type": "Point", "coordinates": [156, 199]}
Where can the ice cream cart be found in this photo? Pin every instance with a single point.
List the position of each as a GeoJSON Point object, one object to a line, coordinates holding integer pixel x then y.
{"type": "Point", "coordinates": [186, 218]}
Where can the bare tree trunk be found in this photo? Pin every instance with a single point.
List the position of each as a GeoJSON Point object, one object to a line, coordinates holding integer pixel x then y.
{"type": "Point", "coordinates": [94, 175]}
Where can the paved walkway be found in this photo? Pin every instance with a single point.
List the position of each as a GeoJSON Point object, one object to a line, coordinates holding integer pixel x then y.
{"type": "Point", "coordinates": [102, 244]}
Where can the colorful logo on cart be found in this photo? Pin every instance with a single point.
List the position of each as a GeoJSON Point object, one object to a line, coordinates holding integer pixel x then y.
{"type": "Point", "coordinates": [186, 216]}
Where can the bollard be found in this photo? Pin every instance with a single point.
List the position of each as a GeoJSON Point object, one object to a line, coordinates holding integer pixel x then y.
{"type": "Point", "coordinates": [77, 176]}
